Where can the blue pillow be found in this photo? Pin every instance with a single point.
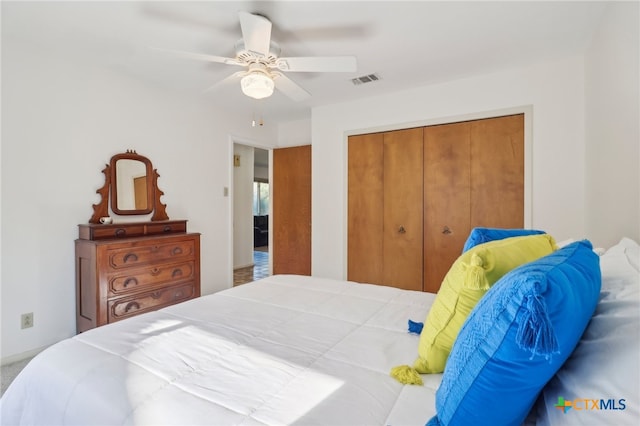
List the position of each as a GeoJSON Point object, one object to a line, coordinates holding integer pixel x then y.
{"type": "Point", "coordinates": [484, 235]}
{"type": "Point", "coordinates": [517, 337]}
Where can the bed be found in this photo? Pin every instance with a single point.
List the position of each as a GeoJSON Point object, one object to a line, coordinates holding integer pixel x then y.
{"type": "Point", "coordinates": [302, 350]}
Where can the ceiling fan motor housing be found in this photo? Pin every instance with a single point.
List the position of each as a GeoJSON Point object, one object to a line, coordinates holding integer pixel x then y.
{"type": "Point", "coordinates": [248, 57]}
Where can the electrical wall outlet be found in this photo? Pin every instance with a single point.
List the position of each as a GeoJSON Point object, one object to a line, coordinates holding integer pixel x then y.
{"type": "Point", "coordinates": [26, 320]}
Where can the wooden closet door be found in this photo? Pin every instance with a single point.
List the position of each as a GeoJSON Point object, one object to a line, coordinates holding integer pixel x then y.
{"type": "Point", "coordinates": [497, 172]}
{"type": "Point", "coordinates": [403, 206]}
{"type": "Point", "coordinates": [291, 209]}
{"type": "Point", "coordinates": [447, 203]}
{"type": "Point", "coordinates": [365, 208]}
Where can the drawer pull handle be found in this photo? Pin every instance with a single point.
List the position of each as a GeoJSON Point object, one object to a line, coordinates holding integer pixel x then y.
{"type": "Point", "coordinates": [176, 251]}
{"type": "Point", "coordinates": [167, 228]}
{"type": "Point", "coordinates": [132, 256]}
{"type": "Point", "coordinates": [130, 280]}
{"type": "Point", "coordinates": [176, 273]}
{"type": "Point", "coordinates": [156, 294]}
{"type": "Point", "coordinates": [131, 305]}
{"type": "Point", "coordinates": [120, 232]}
{"type": "Point", "coordinates": [178, 294]}
{"type": "Point", "coordinates": [155, 271]}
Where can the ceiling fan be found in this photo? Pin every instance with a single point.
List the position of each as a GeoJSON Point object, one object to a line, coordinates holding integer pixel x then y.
{"type": "Point", "coordinates": [260, 56]}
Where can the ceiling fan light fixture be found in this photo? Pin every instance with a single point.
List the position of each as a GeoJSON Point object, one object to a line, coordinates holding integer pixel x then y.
{"type": "Point", "coordinates": [257, 85]}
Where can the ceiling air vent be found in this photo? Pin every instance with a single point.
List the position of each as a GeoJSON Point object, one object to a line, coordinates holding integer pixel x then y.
{"type": "Point", "coordinates": [365, 79]}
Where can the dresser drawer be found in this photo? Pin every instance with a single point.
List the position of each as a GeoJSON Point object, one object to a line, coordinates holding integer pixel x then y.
{"type": "Point", "coordinates": [130, 306]}
{"type": "Point", "coordinates": [133, 256]}
{"type": "Point", "coordinates": [166, 228]}
{"type": "Point", "coordinates": [96, 231]}
{"type": "Point", "coordinates": [116, 231]}
{"type": "Point", "coordinates": [152, 275]}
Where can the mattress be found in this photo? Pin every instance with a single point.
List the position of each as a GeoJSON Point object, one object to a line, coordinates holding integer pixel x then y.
{"type": "Point", "coordinates": [283, 350]}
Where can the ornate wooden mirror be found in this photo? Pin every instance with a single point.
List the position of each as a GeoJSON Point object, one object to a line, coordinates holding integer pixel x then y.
{"type": "Point", "coordinates": [131, 183]}
{"type": "Point", "coordinates": [131, 187]}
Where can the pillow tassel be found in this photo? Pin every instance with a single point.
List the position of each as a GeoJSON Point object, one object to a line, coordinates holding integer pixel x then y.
{"type": "Point", "coordinates": [415, 327]}
{"type": "Point", "coordinates": [535, 331]}
{"type": "Point", "coordinates": [406, 375]}
{"type": "Point", "coordinates": [476, 279]}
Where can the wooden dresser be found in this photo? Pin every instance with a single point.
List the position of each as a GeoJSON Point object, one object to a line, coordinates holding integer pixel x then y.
{"type": "Point", "coordinates": [124, 270]}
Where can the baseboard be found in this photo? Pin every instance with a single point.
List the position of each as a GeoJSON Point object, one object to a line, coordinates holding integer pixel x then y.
{"type": "Point", "coordinates": [21, 356]}
{"type": "Point", "coordinates": [250, 265]}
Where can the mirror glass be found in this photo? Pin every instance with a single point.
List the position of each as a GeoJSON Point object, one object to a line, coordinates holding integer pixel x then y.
{"type": "Point", "coordinates": [131, 181]}
{"type": "Point", "coordinates": [132, 184]}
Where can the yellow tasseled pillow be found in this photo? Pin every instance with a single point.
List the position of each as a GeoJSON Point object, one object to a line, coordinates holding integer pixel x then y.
{"type": "Point", "coordinates": [469, 278]}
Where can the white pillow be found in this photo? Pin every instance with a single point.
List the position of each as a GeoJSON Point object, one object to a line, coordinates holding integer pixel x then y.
{"type": "Point", "coordinates": [566, 242]}
{"type": "Point", "coordinates": [632, 250]}
{"type": "Point", "coordinates": [597, 250]}
{"type": "Point", "coordinates": [605, 364]}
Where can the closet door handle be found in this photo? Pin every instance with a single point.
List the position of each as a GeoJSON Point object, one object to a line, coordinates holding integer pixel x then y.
{"type": "Point", "coordinates": [446, 230]}
{"type": "Point", "coordinates": [401, 230]}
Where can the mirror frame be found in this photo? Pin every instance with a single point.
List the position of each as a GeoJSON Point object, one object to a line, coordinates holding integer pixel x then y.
{"type": "Point", "coordinates": [109, 191]}
{"type": "Point", "coordinates": [114, 184]}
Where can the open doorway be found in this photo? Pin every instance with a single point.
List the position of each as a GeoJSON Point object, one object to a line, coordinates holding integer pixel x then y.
{"type": "Point", "coordinates": [251, 207]}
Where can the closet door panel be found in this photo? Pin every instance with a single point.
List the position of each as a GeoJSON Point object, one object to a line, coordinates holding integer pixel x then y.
{"type": "Point", "coordinates": [497, 172]}
{"type": "Point", "coordinates": [447, 202]}
{"type": "Point", "coordinates": [365, 208]}
{"type": "Point", "coordinates": [403, 218]}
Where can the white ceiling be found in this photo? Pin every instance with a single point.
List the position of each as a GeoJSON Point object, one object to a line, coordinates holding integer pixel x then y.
{"type": "Point", "coordinates": [407, 44]}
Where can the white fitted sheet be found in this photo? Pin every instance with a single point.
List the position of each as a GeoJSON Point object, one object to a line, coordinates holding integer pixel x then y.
{"type": "Point", "coordinates": [283, 350]}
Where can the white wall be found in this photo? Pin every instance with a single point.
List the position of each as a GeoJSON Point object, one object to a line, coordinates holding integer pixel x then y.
{"type": "Point", "coordinates": [243, 207]}
{"type": "Point", "coordinates": [554, 91]}
{"type": "Point", "coordinates": [61, 123]}
{"type": "Point", "coordinates": [613, 123]}
{"type": "Point", "coordinates": [294, 133]}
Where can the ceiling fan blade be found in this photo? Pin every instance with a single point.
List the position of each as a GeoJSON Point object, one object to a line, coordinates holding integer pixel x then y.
{"type": "Point", "coordinates": [225, 81]}
{"type": "Point", "coordinates": [201, 56]}
{"type": "Point", "coordinates": [256, 33]}
{"type": "Point", "coordinates": [289, 88]}
{"type": "Point", "coordinates": [318, 64]}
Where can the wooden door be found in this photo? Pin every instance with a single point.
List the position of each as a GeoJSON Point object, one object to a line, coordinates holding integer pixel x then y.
{"type": "Point", "coordinates": [291, 209]}
{"type": "Point", "coordinates": [447, 202]}
{"type": "Point", "coordinates": [365, 208]}
{"type": "Point", "coordinates": [474, 176]}
{"type": "Point", "coordinates": [140, 192]}
{"type": "Point", "coordinates": [403, 209]}
{"type": "Point", "coordinates": [497, 172]}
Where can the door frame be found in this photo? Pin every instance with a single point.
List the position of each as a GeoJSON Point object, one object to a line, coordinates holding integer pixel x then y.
{"type": "Point", "coordinates": [229, 193]}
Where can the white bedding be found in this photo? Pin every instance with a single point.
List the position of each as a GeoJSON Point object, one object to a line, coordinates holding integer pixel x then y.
{"type": "Point", "coordinates": [302, 350]}
{"type": "Point", "coordinates": [283, 350]}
